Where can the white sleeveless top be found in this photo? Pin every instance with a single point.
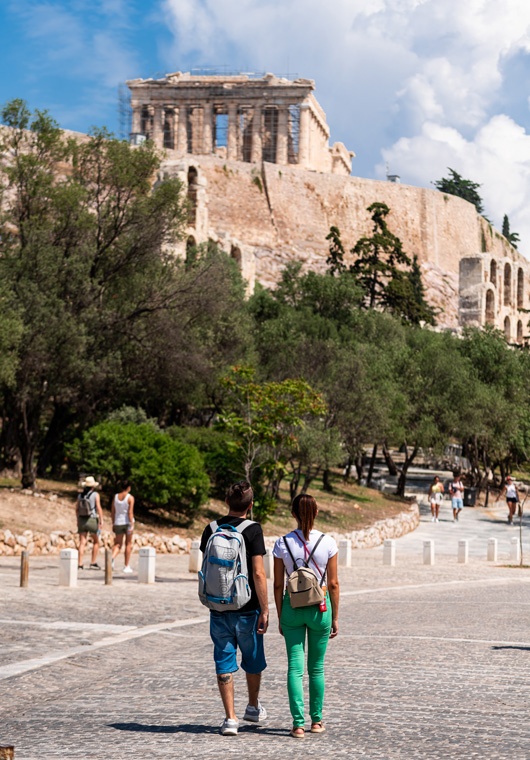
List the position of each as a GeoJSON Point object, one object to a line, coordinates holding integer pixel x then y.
{"type": "Point", "coordinates": [326, 549]}
{"type": "Point", "coordinates": [121, 510]}
{"type": "Point", "coordinates": [511, 493]}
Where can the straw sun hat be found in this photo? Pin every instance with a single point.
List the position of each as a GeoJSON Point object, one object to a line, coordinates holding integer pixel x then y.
{"type": "Point", "coordinates": [89, 482]}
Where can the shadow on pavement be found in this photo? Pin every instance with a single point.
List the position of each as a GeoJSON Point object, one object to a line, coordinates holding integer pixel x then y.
{"type": "Point", "coordinates": [191, 728]}
{"type": "Point", "coordinates": [522, 649]}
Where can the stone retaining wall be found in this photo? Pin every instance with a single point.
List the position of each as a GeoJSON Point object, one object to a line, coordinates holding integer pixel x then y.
{"type": "Point", "coordinates": [43, 543]}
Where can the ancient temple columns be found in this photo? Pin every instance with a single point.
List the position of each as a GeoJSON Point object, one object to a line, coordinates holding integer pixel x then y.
{"type": "Point", "coordinates": [137, 119]}
{"type": "Point", "coordinates": [207, 136]}
{"type": "Point", "coordinates": [182, 133]}
{"type": "Point", "coordinates": [257, 144]}
{"type": "Point", "coordinates": [231, 140]}
{"type": "Point", "coordinates": [158, 126]}
{"type": "Point", "coordinates": [303, 140]}
{"type": "Point", "coordinates": [282, 143]}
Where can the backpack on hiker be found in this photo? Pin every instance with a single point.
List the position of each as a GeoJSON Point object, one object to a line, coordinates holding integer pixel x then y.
{"type": "Point", "coordinates": [84, 507]}
{"type": "Point", "coordinates": [223, 578]}
{"type": "Point", "coordinates": [303, 586]}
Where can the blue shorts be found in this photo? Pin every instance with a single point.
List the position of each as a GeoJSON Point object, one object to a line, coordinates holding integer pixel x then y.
{"type": "Point", "coordinates": [457, 503]}
{"type": "Point", "coordinates": [230, 630]}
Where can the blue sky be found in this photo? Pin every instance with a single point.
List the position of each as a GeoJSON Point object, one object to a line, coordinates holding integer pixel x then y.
{"type": "Point", "coordinates": [418, 84]}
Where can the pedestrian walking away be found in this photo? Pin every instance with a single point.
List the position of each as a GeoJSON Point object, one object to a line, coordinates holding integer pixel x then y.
{"type": "Point", "coordinates": [122, 511]}
{"type": "Point", "coordinates": [456, 489]}
{"type": "Point", "coordinates": [436, 492]}
{"type": "Point", "coordinates": [511, 495]}
{"type": "Point", "coordinates": [89, 519]}
{"type": "Point", "coordinates": [233, 585]}
{"type": "Point", "coordinates": [306, 592]}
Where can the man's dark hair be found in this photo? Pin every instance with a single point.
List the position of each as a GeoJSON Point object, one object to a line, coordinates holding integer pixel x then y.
{"type": "Point", "coordinates": [240, 496]}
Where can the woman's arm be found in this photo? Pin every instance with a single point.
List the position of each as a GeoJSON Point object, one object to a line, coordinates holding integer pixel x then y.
{"type": "Point", "coordinates": [112, 510]}
{"type": "Point", "coordinates": [333, 588]}
{"type": "Point", "coordinates": [131, 510]}
{"type": "Point", "coordinates": [279, 573]}
{"type": "Point", "coordinates": [99, 510]}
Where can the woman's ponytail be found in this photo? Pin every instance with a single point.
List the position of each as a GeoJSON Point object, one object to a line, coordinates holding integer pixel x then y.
{"type": "Point", "coordinates": [305, 510]}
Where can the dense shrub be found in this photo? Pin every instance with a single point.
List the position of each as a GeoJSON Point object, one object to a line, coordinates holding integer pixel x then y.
{"type": "Point", "coordinates": [222, 460]}
{"type": "Point", "coordinates": [164, 471]}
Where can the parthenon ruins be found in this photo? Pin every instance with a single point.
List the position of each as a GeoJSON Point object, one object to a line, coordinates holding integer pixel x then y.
{"type": "Point", "coordinates": [237, 117]}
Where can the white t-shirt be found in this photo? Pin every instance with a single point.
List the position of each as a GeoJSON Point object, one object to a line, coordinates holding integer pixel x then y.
{"type": "Point", "coordinates": [121, 510]}
{"type": "Point", "coordinates": [326, 549]}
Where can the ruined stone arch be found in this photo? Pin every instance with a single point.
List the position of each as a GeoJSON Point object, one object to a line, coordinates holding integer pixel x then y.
{"type": "Point", "coordinates": [493, 273]}
{"type": "Point", "coordinates": [520, 288]}
{"type": "Point", "coordinates": [490, 306]}
{"type": "Point", "coordinates": [519, 331]}
{"type": "Point", "coordinates": [235, 253]}
{"type": "Point", "coordinates": [507, 328]}
{"type": "Point", "coordinates": [193, 182]}
{"type": "Point", "coordinates": [507, 284]}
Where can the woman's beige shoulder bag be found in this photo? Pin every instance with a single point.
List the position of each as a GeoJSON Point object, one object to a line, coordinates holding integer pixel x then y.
{"type": "Point", "coordinates": [303, 586]}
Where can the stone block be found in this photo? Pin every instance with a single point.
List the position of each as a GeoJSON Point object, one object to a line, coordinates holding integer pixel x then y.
{"type": "Point", "coordinates": [492, 550]}
{"type": "Point", "coordinates": [195, 557]}
{"type": "Point", "coordinates": [68, 561]}
{"type": "Point", "coordinates": [345, 552]}
{"type": "Point", "coordinates": [463, 551]}
{"type": "Point", "coordinates": [389, 552]}
{"type": "Point", "coordinates": [146, 564]}
{"type": "Point", "coordinates": [268, 564]}
{"type": "Point", "coordinates": [515, 549]}
{"type": "Point", "coordinates": [428, 552]}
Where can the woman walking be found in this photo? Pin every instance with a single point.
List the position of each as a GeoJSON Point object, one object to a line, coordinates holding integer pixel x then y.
{"type": "Point", "coordinates": [89, 520]}
{"type": "Point", "coordinates": [435, 497]}
{"type": "Point", "coordinates": [306, 548]}
{"type": "Point", "coordinates": [123, 523]}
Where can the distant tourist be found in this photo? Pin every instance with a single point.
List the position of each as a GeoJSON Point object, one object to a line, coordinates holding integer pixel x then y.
{"type": "Point", "coordinates": [301, 614]}
{"type": "Point", "coordinates": [233, 585]}
{"type": "Point", "coordinates": [511, 494]}
{"type": "Point", "coordinates": [122, 511]}
{"type": "Point", "coordinates": [456, 489]}
{"type": "Point", "coordinates": [89, 519]}
{"type": "Point", "coordinates": [436, 492]}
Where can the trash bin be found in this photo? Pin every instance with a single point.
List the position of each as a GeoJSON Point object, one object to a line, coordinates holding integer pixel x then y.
{"type": "Point", "coordinates": [470, 497]}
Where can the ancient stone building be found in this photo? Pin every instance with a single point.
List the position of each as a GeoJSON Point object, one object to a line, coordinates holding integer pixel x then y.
{"type": "Point", "coordinates": [237, 118]}
{"type": "Point", "coordinates": [264, 184]}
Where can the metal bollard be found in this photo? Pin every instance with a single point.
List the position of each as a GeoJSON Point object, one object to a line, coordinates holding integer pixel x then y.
{"type": "Point", "coordinates": [24, 569]}
{"type": "Point", "coordinates": [389, 552]}
{"type": "Point", "coordinates": [345, 552]}
{"type": "Point", "coordinates": [515, 549]}
{"type": "Point", "coordinates": [268, 564]}
{"type": "Point", "coordinates": [68, 560]}
{"type": "Point", "coordinates": [146, 564]}
{"type": "Point", "coordinates": [492, 550]}
{"type": "Point", "coordinates": [463, 551]}
{"type": "Point", "coordinates": [7, 753]}
{"type": "Point", "coordinates": [108, 567]}
{"type": "Point", "coordinates": [428, 552]}
{"type": "Point", "coordinates": [195, 557]}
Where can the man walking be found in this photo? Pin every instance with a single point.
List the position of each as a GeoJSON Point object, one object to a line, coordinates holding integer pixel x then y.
{"type": "Point", "coordinates": [243, 627]}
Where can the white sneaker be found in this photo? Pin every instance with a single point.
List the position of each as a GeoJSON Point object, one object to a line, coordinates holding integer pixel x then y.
{"type": "Point", "coordinates": [127, 569]}
{"type": "Point", "coordinates": [229, 727]}
{"type": "Point", "coordinates": [112, 564]}
{"type": "Point", "coordinates": [432, 518]}
{"type": "Point", "coordinates": [255, 714]}
{"type": "Point", "coordinates": [437, 520]}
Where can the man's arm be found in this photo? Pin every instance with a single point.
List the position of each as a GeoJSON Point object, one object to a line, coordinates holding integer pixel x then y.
{"type": "Point", "coordinates": [260, 584]}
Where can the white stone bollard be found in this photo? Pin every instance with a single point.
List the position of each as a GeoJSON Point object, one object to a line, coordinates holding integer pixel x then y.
{"type": "Point", "coordinates": [68, 562]}
{"type": "Point", "coordinates": [428, 552]}
{"type": "Point", "coordinates": [389, 552]}
{"type": "Point", "coordinates": [345, 552]}
{"type": "Point", "coordinates": [492, 550]}
{"type": "Point", "coordinates": [268, 564]}
{"type": "Point", "coordinates": [195, 557]}
{"type": "Point", "coordinates": [463, 551]}
{"type": "Point", "coordinates": [515, 549]}
{"type": "Point", "coordinates": [146, 564]}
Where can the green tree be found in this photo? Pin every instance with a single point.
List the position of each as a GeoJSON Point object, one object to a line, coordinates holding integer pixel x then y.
{"type": "Point", "coordinates": [455, 184]}
{"type": "Point", "coordinates": [511, 237]}
{"type": "Point", "coordinates": [165, 472]}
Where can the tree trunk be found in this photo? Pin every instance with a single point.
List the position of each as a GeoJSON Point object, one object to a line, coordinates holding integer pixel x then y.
{"type": "Point", "coordinates": [372, 464]}
{"type": "Point", "coordinates": [359, 466]}
{"type": "Point", "coordinates": [309, 476]}
{"type": "Point", "coordinates": [326, 482]}
{"type": "Point", "coordinates": [295, 480]}
{"type": "Point", "coordinates": [10, 461]}
{"type": "Point", "coordinates": [49, 454]}
{"type": "Point", "coordinates": [348, 468]}
{"type": "Point", "coordinates": [402, 480]}
{"type": "Point", "coordinates": [392, 469]}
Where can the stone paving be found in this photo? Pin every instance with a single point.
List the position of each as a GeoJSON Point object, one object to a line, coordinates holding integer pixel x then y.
{"type": "Point", "coordinates": [430, 662]}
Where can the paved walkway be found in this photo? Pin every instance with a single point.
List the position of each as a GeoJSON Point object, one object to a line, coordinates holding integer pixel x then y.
{"type": "Point", "coordinates": [430, 662]}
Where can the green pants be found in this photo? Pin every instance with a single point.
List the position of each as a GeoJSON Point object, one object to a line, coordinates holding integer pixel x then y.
{"type": "Point", "coordinates": [295, 625]}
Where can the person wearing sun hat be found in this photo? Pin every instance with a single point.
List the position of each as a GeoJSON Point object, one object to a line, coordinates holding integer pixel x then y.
{"type": "Point", "coordinates": [89, 523]}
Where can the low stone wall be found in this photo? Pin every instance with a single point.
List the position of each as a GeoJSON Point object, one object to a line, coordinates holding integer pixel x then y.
{"type": "Point", "coordinates": [43, 543]}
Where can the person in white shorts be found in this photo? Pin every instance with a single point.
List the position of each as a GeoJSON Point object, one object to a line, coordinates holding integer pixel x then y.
{"type": "Point", "coordinates": [123, 523]}
{"type": "Point", "coordinates": [435, 497]}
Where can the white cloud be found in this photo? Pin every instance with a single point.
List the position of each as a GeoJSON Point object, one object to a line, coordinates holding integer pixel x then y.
{"type": "Point", "coordinates": [415, 81]}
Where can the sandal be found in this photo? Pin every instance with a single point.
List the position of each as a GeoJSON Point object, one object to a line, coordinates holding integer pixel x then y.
{"type": "Point", "coordinates": [297, 735]}
{"type": "Point", "coordinates": [317, 728]}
